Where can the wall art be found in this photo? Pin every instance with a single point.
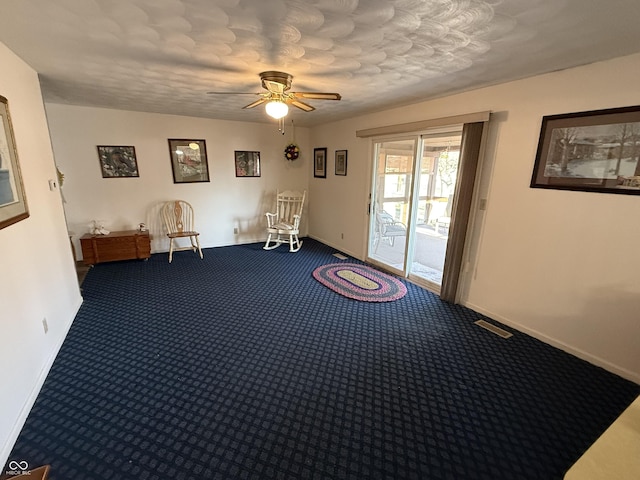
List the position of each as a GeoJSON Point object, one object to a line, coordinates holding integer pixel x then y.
{"type": "Point", "coordinates": [594, 151]}
{"type": "Point", "coordinates": [188, 160]}
{"type": "Point", "coordinates": [13, 201]}
{"type": "Point", "coordinates": [341, 162]}
{"type": "Point", "coordinates": [117, 162]}
{"type": "Point", "coordinates": [247, 163]}
{"type": "Point", "coordinates": [320, 162]}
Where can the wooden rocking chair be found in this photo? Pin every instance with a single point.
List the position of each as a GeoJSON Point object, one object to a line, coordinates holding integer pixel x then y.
{"type": "Point", "coordinates": [179, 219]}
{"type": "Point", "coordinates": [283, 226]}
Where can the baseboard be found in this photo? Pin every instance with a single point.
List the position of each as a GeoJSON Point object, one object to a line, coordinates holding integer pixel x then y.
{"type": "Point", "coordinates": [576, 352]}
{"type": "Point", "coordinates": [340, 249]}
{"type": "Point", "coordinates": [28, 405]}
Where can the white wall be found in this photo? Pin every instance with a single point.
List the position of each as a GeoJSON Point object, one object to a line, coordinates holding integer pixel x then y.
{"type": "Point", "coordinates": [224, 203]}
{"type": "Point", "coordinates": [338, 204]}
{"type": "Point", "coordinates": [38, 277]}
{"type": "Point", "coordinates": [560, 265]}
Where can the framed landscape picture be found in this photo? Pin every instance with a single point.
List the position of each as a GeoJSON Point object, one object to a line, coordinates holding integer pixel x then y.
{"type": "Point", "coordinates": [118, 162]}
{"type": "Point", "coordinates": [594, 151]}
{"type": "Point", "coordinates": [13, 202]}
{"type": "Point", "coordinates": [320, 162]}
{"type": "Point", "coordinates": [341, 162]}
{"type": "Point", "coordinates": [188, 160]}
{"type": "Point", "coordinates": [247, 164]}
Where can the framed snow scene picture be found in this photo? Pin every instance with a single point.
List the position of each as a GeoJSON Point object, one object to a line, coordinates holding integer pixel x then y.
{"type": "Point", "coordinates": [595, 151]}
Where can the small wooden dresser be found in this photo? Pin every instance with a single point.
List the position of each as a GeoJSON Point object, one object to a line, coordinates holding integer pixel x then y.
{"type": "Point", "coordinates": [122, 245]}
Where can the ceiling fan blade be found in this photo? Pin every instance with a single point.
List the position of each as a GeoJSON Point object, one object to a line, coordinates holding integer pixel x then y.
{"type": "Point", "coordinates": [233, 93]}
{"type": "Point", "coordinates": [260, 101]}
{"type": "Point", "coordinates": [317, 95]}
{"type": "Point", "coordinates": [301, 106]}
{"type": "Point", "coordinates": [273, 87]}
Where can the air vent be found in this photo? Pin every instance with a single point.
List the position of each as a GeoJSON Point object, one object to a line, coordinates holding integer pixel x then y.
{"type": "Point", "coordinates": [340, 256]}
{"type": "Point", "coordinates": [493, 329]}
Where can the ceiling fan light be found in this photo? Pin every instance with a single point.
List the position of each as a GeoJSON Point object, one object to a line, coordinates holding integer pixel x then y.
{"type": "Point", "coordinates": [277, 109]}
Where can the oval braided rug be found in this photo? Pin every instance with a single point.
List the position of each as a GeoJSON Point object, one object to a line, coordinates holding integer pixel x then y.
{"type": "Point", "coordinates": [360, 282]}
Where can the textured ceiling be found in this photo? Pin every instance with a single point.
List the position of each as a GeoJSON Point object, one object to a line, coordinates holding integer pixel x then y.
{"type": "Point", "coordinates": [164, 55]}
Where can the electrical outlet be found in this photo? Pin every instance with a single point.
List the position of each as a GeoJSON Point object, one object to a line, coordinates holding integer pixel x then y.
{"type": "Point", "coordinates": [45, 325]}
{"type": "Point", "coordinates": [235, 230]}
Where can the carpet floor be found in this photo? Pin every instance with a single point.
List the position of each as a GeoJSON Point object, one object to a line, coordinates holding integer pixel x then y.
{"type": "Point", "coordinates": [243, 366]}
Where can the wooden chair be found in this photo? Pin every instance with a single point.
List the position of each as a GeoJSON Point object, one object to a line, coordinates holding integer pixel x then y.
{"type": "Point", "coordinates": [179, 220]}
{"type": "Point", "coordinates": [283, 225]}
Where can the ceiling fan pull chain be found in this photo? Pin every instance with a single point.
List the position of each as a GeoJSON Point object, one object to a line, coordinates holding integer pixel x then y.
{"type": "Point", "coordinates": [281, 125]}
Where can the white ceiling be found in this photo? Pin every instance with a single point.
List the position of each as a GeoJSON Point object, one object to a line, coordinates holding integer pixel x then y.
{"type": "Point", "coordinates": [164, 55]}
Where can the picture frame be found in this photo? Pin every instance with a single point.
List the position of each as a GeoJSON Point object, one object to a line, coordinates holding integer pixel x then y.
{"type": "Point", "coordinates": [341, 163]}
{"type": "Point", "coordinates": [13, 201]}
{"type": "Point", "coordinates": [320, 162]}
{"type": "Point", "coordinates": [189, 162]}
{"type": "Point", "coordinates": [592, 151]}
{"type": "Point", "coordinates": [247, 164]}
{"type": "Point", "coordinates": [118, 161]}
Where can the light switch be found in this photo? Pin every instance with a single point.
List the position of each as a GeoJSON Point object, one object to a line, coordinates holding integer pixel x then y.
{"type": "Point", "coordinates": [53, 185]}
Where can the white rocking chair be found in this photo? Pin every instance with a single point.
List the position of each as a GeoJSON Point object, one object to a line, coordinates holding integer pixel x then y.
{"type": "Point", "coordinates": [179, 220]}
{"type": "Point", "coordinates": [283, 226]}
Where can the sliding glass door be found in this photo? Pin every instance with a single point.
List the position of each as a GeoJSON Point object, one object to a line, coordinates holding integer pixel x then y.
{"type": "Point", "coordinates": [413, 189]}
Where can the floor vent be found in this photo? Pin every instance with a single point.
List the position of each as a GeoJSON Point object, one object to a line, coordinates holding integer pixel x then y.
{"type": "Point", "coordinates": [492, 328]}
{"type": "Point", "coordinates": [340, 256]}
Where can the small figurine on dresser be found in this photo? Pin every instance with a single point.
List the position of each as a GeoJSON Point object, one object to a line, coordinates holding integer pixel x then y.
{"type": "Point", "coordinates": [96, 227]}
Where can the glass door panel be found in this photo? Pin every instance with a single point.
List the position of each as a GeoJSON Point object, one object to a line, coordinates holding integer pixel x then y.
{"type": "Point", "coordinates": [438, 167]}
{"type": "Point", "coordinates": [391, 201]}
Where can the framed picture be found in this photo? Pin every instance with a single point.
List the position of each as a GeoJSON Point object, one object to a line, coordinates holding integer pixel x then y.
{"type": "Point", "coordinates": [341, 162]}
{"type": "Point", "coordinates": [247, 164]}
{"type": "Point", "coordinates": [118, 162]}
{"type": "Point", "coordinates": [13, 202]}
{"type": "Point", "coordinates": [320, 162]}
{"type": "Point", "coordinates": [188, 160]}
{"type": "Point", "coordinates": [595, 151]}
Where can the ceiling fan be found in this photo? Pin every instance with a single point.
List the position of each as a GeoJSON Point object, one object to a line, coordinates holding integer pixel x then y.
{"type": "Point", "coordinates": [278, 96]}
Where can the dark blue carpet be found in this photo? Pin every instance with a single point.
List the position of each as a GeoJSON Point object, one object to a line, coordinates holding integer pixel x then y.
{"type": "Point", "coordinates": [242, 366]}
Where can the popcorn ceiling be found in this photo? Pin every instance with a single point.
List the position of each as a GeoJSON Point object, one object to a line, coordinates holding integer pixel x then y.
{"type": "Point", "coordinates": [164, 55]}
